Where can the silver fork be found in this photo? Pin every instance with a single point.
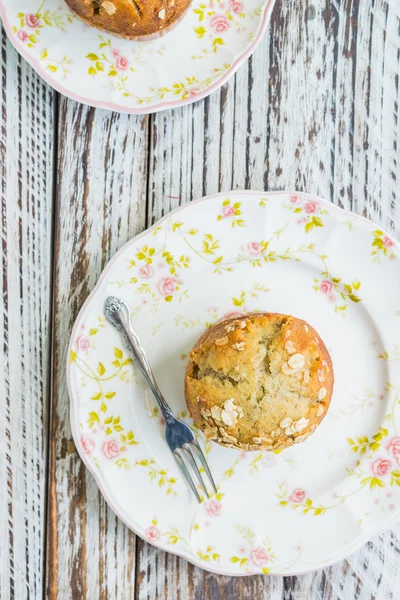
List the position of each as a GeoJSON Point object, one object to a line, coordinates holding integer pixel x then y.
{"type": "Point", "coordinates": [180, 437]}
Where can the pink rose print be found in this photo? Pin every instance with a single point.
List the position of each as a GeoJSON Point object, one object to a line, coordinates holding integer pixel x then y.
{"type": "Point", "coordinates": [259, 556]}
{"type": "Point", "coordinates": [388, 242]}
{"type": "Point", "coordinates": [293, 199]}
{"type": "Point", "coordinates": [297, 495]}
{"type": "Point", "coordinates": [122, 63]}
{"type": "Point", "coordinates": [193, 92]}
{"type": "Point", "coordinates": [228, 211]}
{"type": "Point", "coordinates": [213, 507]}
{"type": "Point", "coordinates": [394, 448]}
{"type": "Point", "coordinates": [87, 443]}
{"type": "Point", "coordinates": [254, 247]}
{"type": "Point", "coordinates": [236, 6]}
{"type": "Point", "coordinates": [326, 287]}
{"type": "Point", "coordinates": [110, 449]}
{"type": "Point", "coordinates": [32, 21]}
{"type": "Point", "coordinates": [152, 533]}
{"type": "Point", "coordinates": [268, 460]}
{"type": "Point", "coordinates": [23, 35]}
{"type": "Point", "coordinates": [311, 207]}
{"type": "Point", "coordinates": [381, 466]}
{"type": "Point", "coordinates": [219, 23]}
{"type": "Point", "coordinates": [167, 285]}
{"type": "Point", "coordinates": [83, 343]}
{"type": "Point", "coordinates": [145, 272]}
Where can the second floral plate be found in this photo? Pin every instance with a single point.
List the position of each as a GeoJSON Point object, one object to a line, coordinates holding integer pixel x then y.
{"type": "Point", "coordinates": [184, 65]}
{"type": "Point", "coordinates": [283, 512]}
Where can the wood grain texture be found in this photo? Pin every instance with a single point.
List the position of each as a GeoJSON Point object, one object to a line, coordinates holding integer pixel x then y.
{"type": "Point", "coordinates": [317, 109]}
{"type": "Point", "coordinates": [26, 160]}
{"type": "Point", "coordinates": [102, 166]}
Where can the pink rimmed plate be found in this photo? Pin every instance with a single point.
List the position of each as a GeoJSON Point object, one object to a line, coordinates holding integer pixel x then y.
{"type": "Point", "coordinates": [284, 512]}
{"type": "Point", "coordinates": [186, 64]}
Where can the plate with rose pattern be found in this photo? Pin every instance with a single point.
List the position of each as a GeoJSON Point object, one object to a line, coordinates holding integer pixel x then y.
{"type": "Point", "coordinates": [136, 77]}
{"type": "Point", "coordinates": [287, 511]}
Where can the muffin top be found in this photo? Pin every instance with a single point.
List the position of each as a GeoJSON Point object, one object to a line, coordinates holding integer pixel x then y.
{"type": "Point", "coordinates": [259, 382]}
{"type": "Point", "coordinates": [129, 18]}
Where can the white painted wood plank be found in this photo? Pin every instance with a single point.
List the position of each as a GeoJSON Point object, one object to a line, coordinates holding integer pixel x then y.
{"type": "Point", "coordinates": [377, 126]}
{"type": "Point", "coordinates": [26, 147]}
{"type": "Point", "coordinates": [100, 204]}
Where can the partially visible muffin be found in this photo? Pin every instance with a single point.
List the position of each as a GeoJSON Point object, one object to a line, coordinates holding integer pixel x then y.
{"type": "Point", "coordinates": [130, 19]}
{"type": "Point", "coordinates": [259, 382]}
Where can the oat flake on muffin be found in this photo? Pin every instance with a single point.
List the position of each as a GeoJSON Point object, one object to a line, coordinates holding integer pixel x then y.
{"type": "Point", "coordinates": [259, 382]}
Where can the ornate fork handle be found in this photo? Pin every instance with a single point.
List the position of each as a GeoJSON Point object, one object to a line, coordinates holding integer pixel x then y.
{"type": "Point", "coordinates": [117, 313]}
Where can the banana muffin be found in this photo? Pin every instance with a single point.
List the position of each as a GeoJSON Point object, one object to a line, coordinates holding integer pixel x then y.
{"type": "Point", "coordinates": [262, 381]}
{"type": "Point", "coordinates": [130, 19]}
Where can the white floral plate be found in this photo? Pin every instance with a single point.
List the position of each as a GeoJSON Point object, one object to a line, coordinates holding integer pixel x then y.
{"type": "Point", "coordinates": [282, 512]}
{"type": "Point", "coordinates": [186, 64]}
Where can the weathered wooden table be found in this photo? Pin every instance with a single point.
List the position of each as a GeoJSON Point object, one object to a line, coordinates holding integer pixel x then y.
{"type": "Point", "coordinates": [317, 109]}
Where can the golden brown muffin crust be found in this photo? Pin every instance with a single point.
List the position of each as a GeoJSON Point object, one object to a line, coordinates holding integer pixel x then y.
{"type": "Point", "coordinates": [259, 382]}
{"type": "Point", "coordinates": [129, 18]}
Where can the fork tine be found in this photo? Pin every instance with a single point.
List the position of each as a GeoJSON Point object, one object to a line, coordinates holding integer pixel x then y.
{"type": "Point", "coordinates": [186, 474]}
{"type": "Point", "coordinates": [203, 461]}
{"type": "Point", "coordinates": [195, 468]}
